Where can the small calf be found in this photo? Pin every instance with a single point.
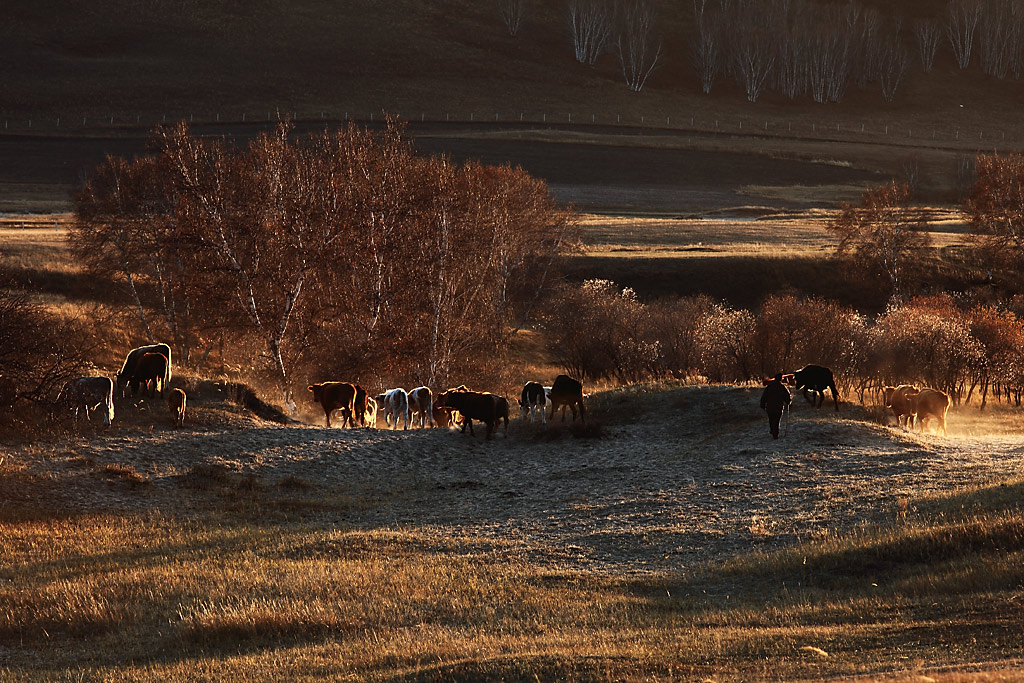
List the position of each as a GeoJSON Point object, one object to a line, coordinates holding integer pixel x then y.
{"type": "Point", "coordinates": [176, 401]}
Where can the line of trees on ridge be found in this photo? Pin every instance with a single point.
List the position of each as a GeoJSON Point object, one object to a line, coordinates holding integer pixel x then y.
{"type": "Point", "coordinates": [793, 47]}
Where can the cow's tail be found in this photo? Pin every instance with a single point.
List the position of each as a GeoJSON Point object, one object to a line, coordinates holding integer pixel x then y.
{"type": "Point", "coordinates": [110, 402]}
{"type": "Point", "coordinates": [167, 370]}
{"type": "Point", "coordinates": [835, 393]}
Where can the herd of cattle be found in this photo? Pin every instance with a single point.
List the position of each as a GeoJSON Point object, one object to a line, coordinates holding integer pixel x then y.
{"type": "Point", "coordinates": [446, 409]}
{"type": "Point", "coordinates": [149, 368]}
{"type": "Point", "coordinates": [912, 406]}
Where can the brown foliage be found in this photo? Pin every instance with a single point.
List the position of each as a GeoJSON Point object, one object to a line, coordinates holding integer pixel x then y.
{"type": "Point", "coordinates": [342, 253]}
{"type": "Point", "coordinates": [995, 208]}
{"type": "Point", "coordinates": [38, 351]}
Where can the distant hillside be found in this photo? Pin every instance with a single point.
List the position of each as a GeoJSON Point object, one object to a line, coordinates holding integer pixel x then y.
{"type": "Point", "coordinates": [220, 60]}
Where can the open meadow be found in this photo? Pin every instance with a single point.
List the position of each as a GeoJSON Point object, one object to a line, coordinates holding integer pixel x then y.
{"type": "Point", "coordinates": [669, 540]}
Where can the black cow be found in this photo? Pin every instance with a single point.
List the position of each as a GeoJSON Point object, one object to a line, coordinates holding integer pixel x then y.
{"type": "Point", "coordinates": [814, 379]}
{"type": "Point", "coordinates": [567, 391]}
{"type": "Point", "coordinates": [474, 405]}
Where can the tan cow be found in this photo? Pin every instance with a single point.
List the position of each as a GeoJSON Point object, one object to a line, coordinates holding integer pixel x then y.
{"type": "Point", "coordinates": [928, 404]}
{"type": "Point", "coordinates": [176, 401]}
{"type": "Point", "coordinates": [898, 400]}
{"type": "Point", "coordinates": [335, 396]}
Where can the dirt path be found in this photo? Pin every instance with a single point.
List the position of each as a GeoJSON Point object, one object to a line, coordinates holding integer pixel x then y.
{"type": "Point", "coordinates": [685, 476]}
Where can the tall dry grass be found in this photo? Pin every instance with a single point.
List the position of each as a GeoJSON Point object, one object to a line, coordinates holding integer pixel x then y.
{"type": "Point", "coordinates": [154, 597]}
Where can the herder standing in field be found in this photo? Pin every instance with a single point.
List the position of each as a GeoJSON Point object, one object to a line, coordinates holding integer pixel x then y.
{"type": "Point", "coordinates": [775, 399]}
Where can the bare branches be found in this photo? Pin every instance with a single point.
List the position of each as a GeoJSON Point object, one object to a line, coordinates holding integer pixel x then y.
{"type": "Point", "coordinates": [963, 18]}
{"type": "Point", "coordinates": [928, 34]}
{"type": "Point", "coordinates": [753, 52]}
{"type": "Point", "coordinates": [511, 12]}
{"type": "Point", "coordinates": [995, 209]}
{"type": "Point", "coordinates": [639, 48]}
{"type": "Point", "coordinates": [894, 60]}
{"type": "Point", "coordinates": [882, 233]}
{"type": "Point", "coordinates": [590, 27]}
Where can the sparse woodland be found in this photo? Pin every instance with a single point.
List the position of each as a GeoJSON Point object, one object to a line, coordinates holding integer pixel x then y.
{"type": "Point", "coordinates": [343, 254]}
{"type": "Point", "coordinates": [801, 47]}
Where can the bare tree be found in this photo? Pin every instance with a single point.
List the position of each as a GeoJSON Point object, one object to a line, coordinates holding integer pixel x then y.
{"type": "Point", "coordinates": [707, 49]}
{"type": "Point", "coordinates": [638, 45]}
{"type": "Point", "coordinates": [791, 63]}
{"type": "Point", "coordinates": [995, 209]}
{"type": "Point", "coordinates": [590, 27]}
{"type": "Point", "coordinates": [753, 50]}
{"type": "Point", "coordinates": [999, 36]}
{"type": "Point", "coordinates": [893, 63]}
{"type": "Point", "coordinates": [511, 14]}
{"type": "Point", "coordinates": [828, 61]}
{"type": "Point", "coordinates": [882, 233]}
{"type": "Point", "coordinates": [928, 34]}
{"type": "Point", "coordinates": [964, 16]}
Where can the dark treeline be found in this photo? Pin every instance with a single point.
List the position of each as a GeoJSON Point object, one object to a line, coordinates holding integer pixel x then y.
{"type": "Point", "coordinates": [797, 48]}
{"type": "Point", "coordinates": [341, 254]}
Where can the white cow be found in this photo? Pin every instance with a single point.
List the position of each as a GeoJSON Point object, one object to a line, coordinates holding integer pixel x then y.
{"type": "Point", "coordinates": [421, 402]}
{"type": "Point", "coordinates": [395, 402]}
{"type": "Point", "coordinates": [371, 412]}
{"type": "Point", "coordinates": [533, 402]}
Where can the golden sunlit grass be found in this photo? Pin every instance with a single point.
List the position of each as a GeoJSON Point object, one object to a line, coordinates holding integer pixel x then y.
{"type": "Point", "coordinates": [113, 596]}
{"type": "Point", "coordinates": [797, 234]}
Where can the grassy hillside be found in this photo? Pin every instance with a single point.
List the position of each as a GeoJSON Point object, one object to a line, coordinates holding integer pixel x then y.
{"type": "Point", "coordinates": [206, 59]}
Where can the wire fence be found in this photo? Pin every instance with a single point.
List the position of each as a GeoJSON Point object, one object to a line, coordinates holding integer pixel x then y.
{"type": "Point", "coordinates": [949, 135]}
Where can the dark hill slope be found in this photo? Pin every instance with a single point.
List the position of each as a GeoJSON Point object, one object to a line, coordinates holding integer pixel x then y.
{"type": "Point", "coordinates": [214, 58]}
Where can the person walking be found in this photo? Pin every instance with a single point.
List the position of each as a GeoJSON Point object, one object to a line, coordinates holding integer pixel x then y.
{"type": "Point", "coordinates": [775, 399]}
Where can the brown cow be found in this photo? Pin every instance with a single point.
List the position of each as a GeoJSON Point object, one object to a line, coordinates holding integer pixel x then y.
{"type": "Point", "coordinates": [150, 371]}
{"type": "Point", "coordinates": [445, 416]}
{"type": "Point", "coordinates": [335, 396]}
{"type": "Point", "coordinates": [567, 391]}
{"type": "Point", "coordinates": [131, 363]}
{"type": "Point", "coordinates": [928, 404]}
{"type": "Point", "coordinates": [176, 402]}
{"type": "Point", "coordinates": [361, 406]}
{"type": "Point", "coordinates": [474, 405]}
{"type": "Point", "coordinates": [898, 400]}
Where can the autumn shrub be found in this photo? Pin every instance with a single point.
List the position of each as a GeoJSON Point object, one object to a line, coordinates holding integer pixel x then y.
{"type": "Point", "coordinates": [725, 337]}
{"type": "Point", "coordinates": [929, 342]}
{"type": "Point", "coordinates": [38, 353]}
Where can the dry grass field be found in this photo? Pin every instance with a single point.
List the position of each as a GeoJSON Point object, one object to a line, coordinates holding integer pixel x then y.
{"type": "Point", "coordinates": [671, 541]}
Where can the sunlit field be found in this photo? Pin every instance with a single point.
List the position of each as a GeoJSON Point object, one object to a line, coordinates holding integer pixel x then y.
{"type": "Point", "coordinates": [673, 542]}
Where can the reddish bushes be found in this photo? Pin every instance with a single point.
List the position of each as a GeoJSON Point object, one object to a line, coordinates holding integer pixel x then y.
{"type": "Point", "coordinates": [601, 332]}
